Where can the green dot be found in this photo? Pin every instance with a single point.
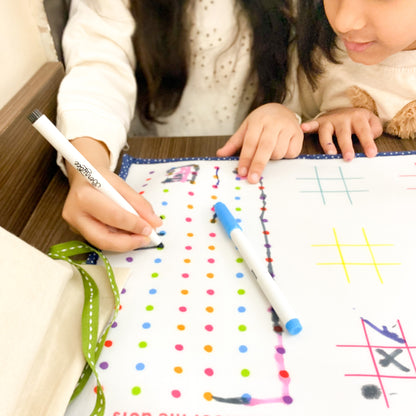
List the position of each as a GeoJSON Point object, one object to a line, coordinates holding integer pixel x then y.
{"type": "Point", "coordinates": [136, 390]}
{"type": "Point", "coordinates": [143, 344]}
{"type": "Point", "coordinates": [154, 275]}
{"type": "Point", "coordinates": [166, 190]}
{"type": "Point", "coordinates": [149, 307]}
{"type": "Point", "coordinates": [238, 188]}
{"type": "Point", "coordinates": [162, 217]}
{"type": "Point", "coordinates": [238, 209]}
{"type": "Point", "coordinates": [241, 291]}
{"type": "Point", "coordinates": [239, 260]}
{"type": "Point", "coordinates": [245, 372]}
{"type": "Point", "coordinates": [242, 328]}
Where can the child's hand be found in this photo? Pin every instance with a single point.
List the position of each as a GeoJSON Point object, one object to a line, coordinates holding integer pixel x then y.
{"type": "Point", "coordinates": [343, 123]}
{"type": "Point", "coordinates": [100, 220]}
{"type": "Point", "coordinates": [269, 132]}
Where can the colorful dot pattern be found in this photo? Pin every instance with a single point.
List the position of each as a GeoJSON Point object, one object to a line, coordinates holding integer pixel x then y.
{"type": "Point", "coordinates": [187, 331]}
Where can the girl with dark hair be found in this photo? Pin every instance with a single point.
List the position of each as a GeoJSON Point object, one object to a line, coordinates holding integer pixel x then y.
{"type": "Point", "coordinates": [188, 67]}
{"type": "Point", "coordinates": [361, 54]}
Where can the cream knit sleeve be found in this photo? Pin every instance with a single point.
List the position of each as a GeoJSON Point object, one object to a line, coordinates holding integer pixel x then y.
{"type": "Point", "coordinates": [97, 96]}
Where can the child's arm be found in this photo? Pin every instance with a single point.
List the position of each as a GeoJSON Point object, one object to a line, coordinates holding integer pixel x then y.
{"type": "Point", "coordinates": [269, 132]}
{"type": "Point", "coordinates": [99, 219]}
{"type": "Point", "coordinates": [343, 123]}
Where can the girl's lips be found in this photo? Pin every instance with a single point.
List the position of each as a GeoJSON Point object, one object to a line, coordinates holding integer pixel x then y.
{"type": "Point", "coordinates": [357, 46]}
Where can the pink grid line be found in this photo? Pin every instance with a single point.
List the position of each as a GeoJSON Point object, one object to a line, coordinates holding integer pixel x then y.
{"type": "Point", "coordinates": [377, 374]}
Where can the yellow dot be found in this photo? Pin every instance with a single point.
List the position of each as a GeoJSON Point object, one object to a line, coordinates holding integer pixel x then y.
{"type": "Point", "coordinates": [208, 396]}
{"type": "Point", "coordinates": [187, 260]}
{"type": "Point", "coordinates": [208, 348]}
{"type": "Point", "coordinates": [210, 275]}
{"type": "Point", "coordinates": [178, 370]}
{"type": "Point", "coordinates": [209, 309]}
{"type": "Point", "coordinates": [184, 292]}
{"type": "Point", "coordinates": [181, 327]}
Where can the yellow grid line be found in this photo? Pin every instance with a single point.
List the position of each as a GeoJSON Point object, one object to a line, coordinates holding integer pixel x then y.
{"type": "Point", "coordinates": [345, 264]}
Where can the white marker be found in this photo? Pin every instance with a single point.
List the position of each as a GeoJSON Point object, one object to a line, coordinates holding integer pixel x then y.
{"type": "Point", "coordinates": [78, 161]}
{"type": "Point", "coordinates": [265, 280]}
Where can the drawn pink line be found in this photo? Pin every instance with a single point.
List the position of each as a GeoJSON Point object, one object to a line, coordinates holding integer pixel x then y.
{"type": "Point", "coordinates": [407, 346]}
{"type": "Point", "coordinates": [374, 363]}
{"type": "Point", "coordinates": [381, 376]}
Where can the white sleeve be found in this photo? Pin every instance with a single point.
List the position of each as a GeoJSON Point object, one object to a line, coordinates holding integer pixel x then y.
{"type": "Point", "coordinates": [98, 93]}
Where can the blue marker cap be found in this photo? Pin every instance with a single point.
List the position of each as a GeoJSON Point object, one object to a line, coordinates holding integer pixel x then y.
{"type": "Point", "coordinates": [293, 326]}
{"type": "Point", "coordinates": [227, 220]}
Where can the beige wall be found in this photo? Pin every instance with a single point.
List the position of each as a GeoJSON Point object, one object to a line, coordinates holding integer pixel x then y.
{"type": "Point", "coordinates": [26, 44]}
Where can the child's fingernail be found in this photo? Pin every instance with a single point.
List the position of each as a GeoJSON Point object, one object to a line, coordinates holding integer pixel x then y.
{"type": "Point", "coordinates": [242, 171]}
{"type": "Point", "coordinates": [254, 177]}
{"type": "Point", "coordinates": [146, 231]}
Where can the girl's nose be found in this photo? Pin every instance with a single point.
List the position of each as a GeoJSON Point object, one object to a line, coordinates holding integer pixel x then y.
{"type": "Point", "coordinates": [349, 16]}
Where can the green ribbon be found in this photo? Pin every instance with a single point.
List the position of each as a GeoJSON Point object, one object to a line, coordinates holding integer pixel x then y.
{"type": "Point", "coordinates": [91, 344]}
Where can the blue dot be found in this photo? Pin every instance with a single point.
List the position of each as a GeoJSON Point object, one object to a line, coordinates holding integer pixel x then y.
{"type": "Point", "coordinates": [239, 275]}
{"type": "Point", "coordinates": [161, 232]}
{"type": "Point", "coordinates": [237, 198]}
{"type": "Point", "coordinates": [158, 260]}
{"type": "Point", "coordinates": [139, 366]}
{"type": "Point", "coordinates": [146, 325]}
{"type": "Point", "coordinates": [238, 219]}
{"type": "Point", "coordinates": [152, 291]}
{"type": "Point", "coordinates": [242, 348]}
{"type": "Point", "coordinates": [246, 398]}
{"type": "Point", "coordinates": [241, 309]}
{"type": "Point", "coordinates": [164, 203]}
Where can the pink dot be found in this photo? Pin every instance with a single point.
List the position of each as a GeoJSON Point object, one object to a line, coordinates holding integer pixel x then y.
{"type": "Point", "coordinates": [212, 234]}
{"type": "Point", "coordinates": [176, 393]}
{"type": "Point", "coordinates": [188, 247]}
{"type": "Point", "coordinates": [215, 186]}
{"type": "Point", "coordinates": [179, 347]}
{"type": "Point", "coordinates": [185, 275]}
{"type": "Point", "coordinates": [188, 219]}
{"type": "Point", "coordinates": [182, 309]}
{"type": "Point", "coordinates": [209, 328]}
{"type": "Point", "coordinates": [210, 292]}
{"type": "Point", "coordinates": [190, 193]}
{"type": "Point", "coordinates": [211, 261]}
{"type": "Point", "coordinates": [209, 371]}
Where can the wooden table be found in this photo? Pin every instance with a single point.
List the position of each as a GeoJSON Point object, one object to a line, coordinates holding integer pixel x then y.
{"type": "Point", "coordinates": [45, 226]}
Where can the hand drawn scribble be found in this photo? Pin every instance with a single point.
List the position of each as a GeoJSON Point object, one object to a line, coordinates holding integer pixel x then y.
{"type": "Point", "coordinates": [389, 360]}
{"type": "Point", "coordinates": [186, 173]}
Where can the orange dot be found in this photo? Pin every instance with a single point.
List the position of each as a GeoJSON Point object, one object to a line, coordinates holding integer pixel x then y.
{"type": "Point", "coordinates": [209, 309]}
{"type": "Point", "coordinates": [214, 197]}
{"type": "Point", "coordinates": [208, 348]}
{"type": "Point", "coordinates": [184, 292]}
{"type": "Point", "coordinates": [190, 234]}
{"type": "Point", "coordinates": [208, 396]}
{"type": "Point", "coordinates": [178, 370]}
{"type": "Point", "coordinates": [187, 260]}
{"type": "Point", "coordinates": [210, 275]}
{"type": "Point", "coordinates": [190, 206]}
{"type": "Point", "coordinates": [181, 327]}
{"type": "Point", "coordinates": [211, 247]}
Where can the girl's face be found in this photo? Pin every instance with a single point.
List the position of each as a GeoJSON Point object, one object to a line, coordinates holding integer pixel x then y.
{"type": "Point", "coordinates": [372, 30]}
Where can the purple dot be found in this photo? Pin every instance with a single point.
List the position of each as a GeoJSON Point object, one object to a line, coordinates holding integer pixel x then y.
{"type": "Point", "coordinates": [287, 399]}
{"type": "Point", "coordinates": [104, 365]}
{"type": "Point", "coordinates": [114, 325]}
{"type": "Point", "coordinates": [267, 245]}
{"type": "Point", "coordinates": [265, 220]}
{"type": "Point", "coordinates": [129, 259]}
{"type": "Point", "coordinates": [280, 350]}
{"type": "Point", "coordinates": [123, 291]}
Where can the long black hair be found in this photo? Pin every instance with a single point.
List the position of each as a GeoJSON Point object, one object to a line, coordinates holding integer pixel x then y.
{"type": "Point", "coordinates": [314, 32]}
{"type": "Point", "coordinates": [160, 43]}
